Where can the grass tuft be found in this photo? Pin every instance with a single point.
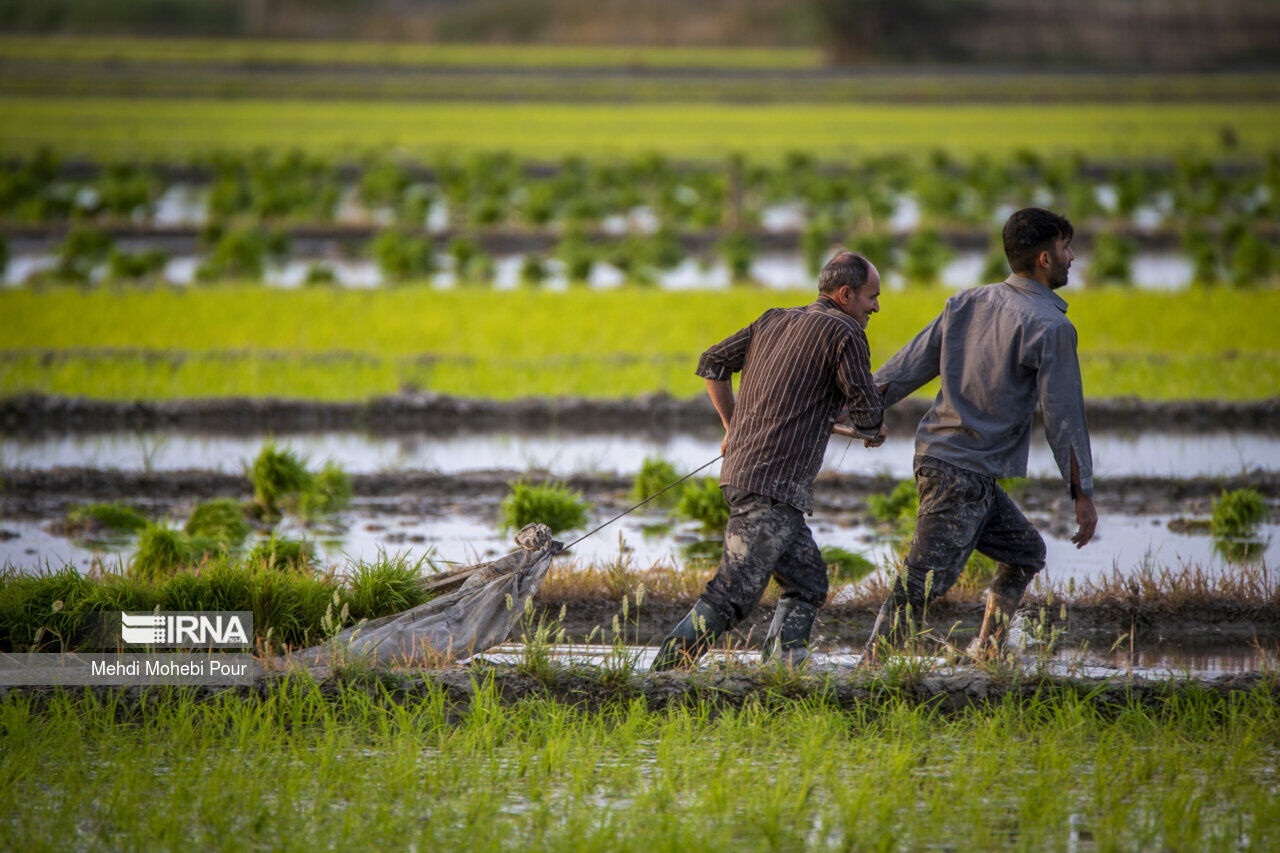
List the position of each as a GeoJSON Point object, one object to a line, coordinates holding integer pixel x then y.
{"type": "Point", "coordinates": [702, 501]}
{"type": "Point", "coordinates": [655, 475]}
{"type": "Point", "coordinates": [277, 474]}
{"type": "Point", "coordinates": [96, 518]}
{"type": "Point", "coordinates": [163, 551]}
{"type": "Point", "coordinates": [552, 504]}
{"type": "Point", "coordinates": [221, 520]}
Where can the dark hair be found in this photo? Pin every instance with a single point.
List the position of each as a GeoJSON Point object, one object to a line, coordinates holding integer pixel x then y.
{"type": "Point", "coordinates": [1031, 231]}
{"type": "Point", "coordinates": [845, 269]}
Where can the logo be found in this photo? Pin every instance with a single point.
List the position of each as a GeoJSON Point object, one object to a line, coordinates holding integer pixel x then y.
{"type": "Point", "coordinates": [202, 629]}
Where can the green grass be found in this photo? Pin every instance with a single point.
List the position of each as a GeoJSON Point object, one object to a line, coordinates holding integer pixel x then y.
{"type": "Point", "coordinates": [109, 516]}
{"type": "Point", "coordinates": [163, 128]}
{"type": "Point", "coordinates": [218, 51]}
{"type": "Point", "coordinates": [340, 345]}
{"type": "Point", "coordinates": [301, 769]}
{"type": "Point", "coordinates": [553, 504]}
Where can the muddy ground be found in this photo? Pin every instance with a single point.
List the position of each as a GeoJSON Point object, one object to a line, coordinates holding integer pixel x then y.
{"type": "Point", "coordinates": [721, 689]}
{"type": "Point", "coordinates": [1099, 625]}
{"type": "Point", "coordinates": [48, 493]}
{"type": "Point", "coordinates": [426, 414]}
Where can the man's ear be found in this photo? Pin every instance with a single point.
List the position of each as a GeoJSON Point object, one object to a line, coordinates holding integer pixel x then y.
{"type": "Point", "coordinates": [1044, 259]}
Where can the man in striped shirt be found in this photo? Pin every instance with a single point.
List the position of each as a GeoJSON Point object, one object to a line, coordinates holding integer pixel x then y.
{"type": "Point", "coordinates": [803, 369]}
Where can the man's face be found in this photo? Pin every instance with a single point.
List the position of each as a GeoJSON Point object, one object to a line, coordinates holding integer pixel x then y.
{"type": "Point", "coordinates": [860, 304]}
{"type": "Point", "coordinates": [1059, 262]}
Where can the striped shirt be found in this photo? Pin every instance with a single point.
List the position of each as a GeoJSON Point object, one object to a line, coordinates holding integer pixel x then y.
{"type": "Point", "coordinates": [799, 367]}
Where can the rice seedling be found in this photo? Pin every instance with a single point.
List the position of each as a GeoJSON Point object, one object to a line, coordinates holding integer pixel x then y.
{"type": "Point", "coordinates": [221, 520]}
{"type": "Point", "coordinates": [390, 584]}
{"type": "Point", "coordinates": [846, 566]}
{"type": "Point", "coordinates": [401, 256]}
{"type": "Point", "coordinates": [96, 519]}
{"type": "Point", "coordinates": [277, 475]}
{"type": "Point", "coordinates": [81, 252]}
{"type": "Point", "coordinates": [552, 504]}
{"type": "Point", "coordinates": [328, 492]}
{"type": "Point", "coordinates": [926, 253]}
{"type": "Point", "coordinates": [1238, 513]}
{"type": "Point", "coordinates": [701, 500]}
{"type": "Point", "coordinates": [280, 553]}
{"type": "Point", "coordinates": [241, 252]}
{"type": "Point", "coordinates": [656, 474]}
{"type": "Point", "coordinates": [898, 508]}
{"type": "Point", "coordinates": [135, 266]}
{"type": "Point", "coordinates": [533, 270]}
{"type": "Point", "coordinates": [738, 251]}
{"type": "Point", "coordinates": [163, 552]}
{"type": "Point", "coordinates": [42, 611]}
{"type": "Point", "coordinates": [320, 274]}
{"type": "Point", "coordinates": [1112, 261]}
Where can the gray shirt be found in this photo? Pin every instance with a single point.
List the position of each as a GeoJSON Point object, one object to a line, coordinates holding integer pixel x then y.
{"type": "Point", "coordinates": [1000, 350]}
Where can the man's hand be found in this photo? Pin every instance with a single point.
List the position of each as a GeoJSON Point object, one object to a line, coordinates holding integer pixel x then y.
{"type": "Point", "coordinates": [723, 442]}
{"type": "Point", "coordinates": [1087, 518]}
{"type": "Point", "coordinates": [881, 435]}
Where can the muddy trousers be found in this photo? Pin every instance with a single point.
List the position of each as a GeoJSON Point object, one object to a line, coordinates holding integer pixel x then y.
{"type": "Point", "coordinates": [764, 539]}
{"type": "Point", "coordinates": [960, 512]}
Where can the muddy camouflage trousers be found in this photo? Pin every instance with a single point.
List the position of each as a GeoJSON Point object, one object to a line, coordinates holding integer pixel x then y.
{"type": "Point", "coordinates": [961, 512]}
{"type": "Point", "coordinates": [764, 539]}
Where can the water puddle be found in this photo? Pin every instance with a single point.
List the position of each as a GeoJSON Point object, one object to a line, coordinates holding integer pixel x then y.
{"type": "Point", "coordinates": [1160, 662]}
{"type": "Point", "coordinates": [1176, 455]}
{"type": "Point", "coordinates": [773, 270]}
{"type": "Point", "coordinates": [1127, 543]}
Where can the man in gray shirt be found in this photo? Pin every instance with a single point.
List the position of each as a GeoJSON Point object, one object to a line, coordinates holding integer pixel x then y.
{"type": "Point", "coordinates": [1000, 350]}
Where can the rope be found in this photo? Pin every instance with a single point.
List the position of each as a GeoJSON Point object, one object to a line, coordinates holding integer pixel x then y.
{"type": "Point", "coordinates": [642, 503]}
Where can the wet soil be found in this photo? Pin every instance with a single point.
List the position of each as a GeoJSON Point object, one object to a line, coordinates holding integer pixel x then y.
{"type": "Point", "coordinates": [427, 414]}
{"type": "Point", "coordinates": [1097, 625]}
{"type": "Point", "coordinates": [720, 689]}
{"type": "Point", "coordinates": [38, 493]}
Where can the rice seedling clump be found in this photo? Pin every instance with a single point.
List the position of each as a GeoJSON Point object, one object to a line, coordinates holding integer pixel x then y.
{"type": "Point", "coordinates": [163, 551]}
{"type": "Point", "coordinates": [702, 501]}
{"type": "Point", "coordinates": [277, 474]}
{"type": "Point", "coordinates": [655, 475]}
{"type": "Point", "coordinates": [221, 520]}
{"type": "Point", "coordinates": [553, 504]}
{"type": "Point", "coordinates": [329, 492]}
{"type": "Point", "coordinates": [284, 554]}
{"type": "Point", "coordinates": [98, 518]}
{"type": "Point", "coordinates": [1238, 513]}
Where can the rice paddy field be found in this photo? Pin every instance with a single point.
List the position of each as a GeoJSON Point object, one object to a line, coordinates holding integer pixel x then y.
{"type": "Point", "coordinates": [291, 327]}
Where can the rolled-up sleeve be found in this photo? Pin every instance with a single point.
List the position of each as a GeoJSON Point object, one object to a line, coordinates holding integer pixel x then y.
{"type": "Point", "coordinates": [853, 375]}
{"type": "Point", "coordinates": [913, 365]}
{"type": "Point", "coordinates": [726, 358]}
{"type": "Point", "coordinates": [1061, 395]}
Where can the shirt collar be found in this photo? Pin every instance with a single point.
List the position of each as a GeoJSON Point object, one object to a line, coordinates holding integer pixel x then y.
{"type": "Point", "coordinates": [826, 302]}
{"type": "Point", "coordinates": [1031, 287]}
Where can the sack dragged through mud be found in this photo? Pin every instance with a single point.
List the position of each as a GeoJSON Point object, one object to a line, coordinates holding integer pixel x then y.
{"type": "Point", "coordinates": [474, 609]}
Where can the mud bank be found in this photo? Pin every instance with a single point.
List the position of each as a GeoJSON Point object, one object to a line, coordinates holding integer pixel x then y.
{"type": "Point", "coordinates": [1096, 625]}
{"type": "Point", "coordinates": [27, 493]}
{"type": "Point", "coordinates": [426, 414]}
{"type": "Point", "coordinates": [950, 692]}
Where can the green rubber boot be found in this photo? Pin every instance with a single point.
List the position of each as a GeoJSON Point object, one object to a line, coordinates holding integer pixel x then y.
{"type": "Point", "coordinates": [700, 627]}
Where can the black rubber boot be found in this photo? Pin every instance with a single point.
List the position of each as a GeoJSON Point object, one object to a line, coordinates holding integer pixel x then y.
{"type": "Point", "coordinates": [893, 625]}
{"type": "Point", "coordinates": [700, 627]}
{"type": "Point", "coordinates": [788, 636]}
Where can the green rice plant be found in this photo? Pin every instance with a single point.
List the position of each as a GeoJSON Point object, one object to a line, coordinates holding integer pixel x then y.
{"type": "Point", "coordinates": [701, 500]}
{"type": "Point", "coordinates": [163, 552]}
{"type": "Point", "coordinates": [278, 475]}
{"type": "Point", "coordinates": [738, 250]}
{"type": "Point", "coordinates": [328, 492]}
{"type": "Point", "coordinates": [578, 258]}
{"type": "Point", "coordinates": [122, 591]}
{"type": "Point", "coordinates": [1237, 514]}
{"type": "Point", "coordinates": [845, 565]}
{"type": "Point", "coordinates": [320, 274]}
{"type": "Point", "coordinates": [1112, 261]}
{"type": "Point", "coordinates": [389, 584]}
{"type": "Point", "coordinates": [552, 504]}
{"type": "Point", "coordinates": [815, 244]}
{"type": "Point", "coordinates": [897, 508]}
{"type": "Point", "coordinates": [282, 554]}
{"type": "Point", "coordinates": [97, 518]}
{"type": "Point", "coordinates": [126, 191]}
{"type": "Point", "coordinates": [401, 256]}
{"type": "Point", "coordinates": [876, 246]}
{"type": "Point", "coordinates": [926, 253]}
{"type": "Point", "coordinates": [81, 252]}
{"type": "Point", "coordinates": [241, 252]}
{"type": "Point", "coordinates": [134, 266]}
{"type": "Point", "coordinates": [221, 519]}
{"type": "Point", "coordinates": [41, 611]}
{"type": "Point", "coordinates": [382, 183]}
{"type": "Point", "coordinates": [289, 607]}
{"type": "Point", "coordinates": [1253, 261]}
{"type": "Point", "coordinates": [656, 474]}
{"type": "Point", "coordinates": [533, 270]}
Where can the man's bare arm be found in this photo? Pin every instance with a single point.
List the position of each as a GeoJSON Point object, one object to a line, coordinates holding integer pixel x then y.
{"type": "Point", "coordinates": [721, 393]}
{"type": "Point", "coordinates": [1086, 515]}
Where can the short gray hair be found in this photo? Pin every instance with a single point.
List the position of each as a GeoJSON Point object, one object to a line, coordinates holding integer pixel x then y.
{"type": "Point", "coordinates": [845, 269]}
